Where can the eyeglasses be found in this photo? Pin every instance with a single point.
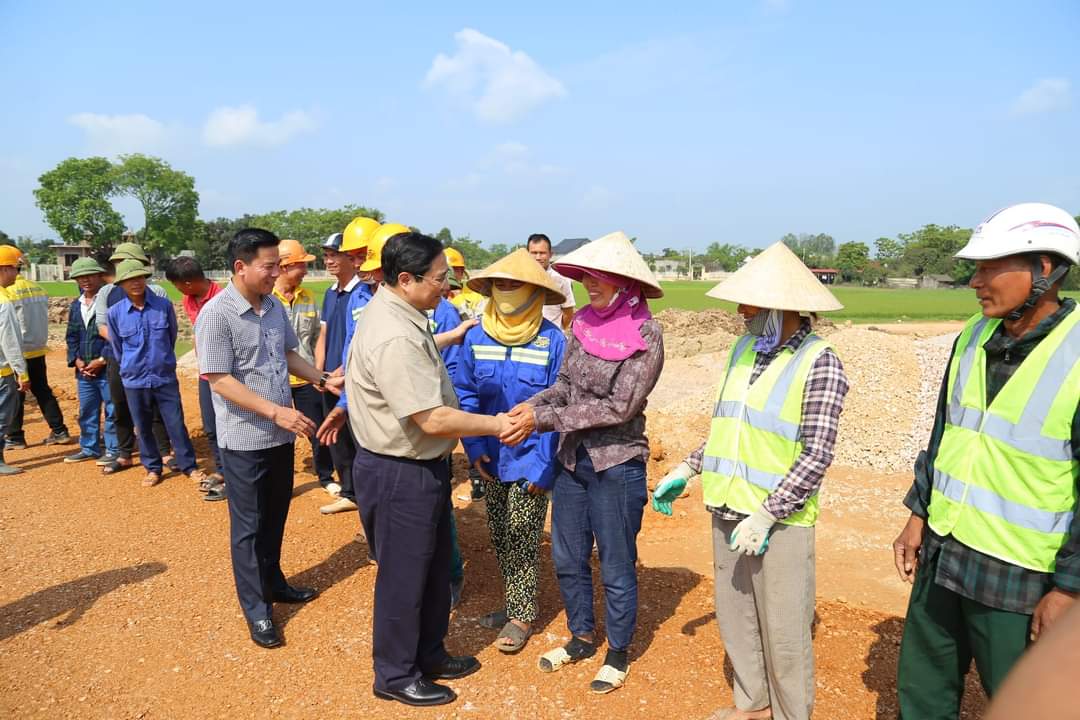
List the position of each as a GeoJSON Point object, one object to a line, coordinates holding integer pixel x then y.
{"type": "Point", "coordinates": [438, 280]}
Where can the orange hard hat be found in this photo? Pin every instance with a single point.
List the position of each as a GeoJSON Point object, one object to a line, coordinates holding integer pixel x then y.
{"type": "Point", "coordinates": [10, 256]}
{"type": "Point", "coordinates": [292, 252]}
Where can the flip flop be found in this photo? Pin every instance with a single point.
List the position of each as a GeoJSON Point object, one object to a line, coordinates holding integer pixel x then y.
{"type": "Point", "coordinates": [518, 638]}
{"type": "Point", "coordinates": [151, 479]}
{"type": "Point", "coordinates": [494, 620]}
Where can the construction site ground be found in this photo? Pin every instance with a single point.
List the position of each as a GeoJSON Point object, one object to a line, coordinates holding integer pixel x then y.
{"type": "Point", "coordinates": [117, 601]}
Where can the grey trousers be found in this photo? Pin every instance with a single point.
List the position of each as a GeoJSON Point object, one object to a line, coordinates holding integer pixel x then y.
{"type": "Point", "coordinates": [765, 609]}
{"type": "Point", "coordinates": [9, 403]}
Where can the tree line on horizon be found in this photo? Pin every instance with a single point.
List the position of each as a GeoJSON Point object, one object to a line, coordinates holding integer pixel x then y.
{"type": "Point", "coordinates": [76, 200]}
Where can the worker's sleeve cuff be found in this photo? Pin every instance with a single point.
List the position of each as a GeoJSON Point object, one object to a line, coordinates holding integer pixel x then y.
{"type": "Point", "coordinates": [915, 504]}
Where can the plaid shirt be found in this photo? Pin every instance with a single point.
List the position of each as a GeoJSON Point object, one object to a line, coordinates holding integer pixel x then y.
{"type": "Point", "coordinates": [823, 401]}
{"type": "Point", "coordinates": [975, 575]}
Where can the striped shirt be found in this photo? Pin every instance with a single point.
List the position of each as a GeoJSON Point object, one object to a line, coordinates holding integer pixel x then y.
{"type": "Point", "coordinates": [823, 401]}
{"type": "Point", "coordinates": [234, 340]}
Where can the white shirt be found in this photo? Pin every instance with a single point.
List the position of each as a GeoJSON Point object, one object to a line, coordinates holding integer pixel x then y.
{"type": "Point", "coordinates": [86, 307]}
{"type": "Point", "coordinates": [554, 312]}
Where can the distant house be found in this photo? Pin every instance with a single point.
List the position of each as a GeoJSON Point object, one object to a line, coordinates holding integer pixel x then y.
{"type": "Point", "coordinates": [67, 254]}
{"type": "Point", "coordinates": [932, 282]}
{"type": "Point", "coordinates": [827, 276]}
{"type": "Point", "coordinates": [567, 246]}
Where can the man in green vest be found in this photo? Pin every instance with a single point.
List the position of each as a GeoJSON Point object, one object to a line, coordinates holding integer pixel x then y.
{"type": "Point", "coordinates": [993, 543]}
{"type": "Point", "coordinates": [771, 440]}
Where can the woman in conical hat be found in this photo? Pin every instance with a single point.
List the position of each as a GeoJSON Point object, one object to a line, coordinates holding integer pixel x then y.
{"type": "Point", "coordinates": [510, 356]}
{"type": "Point", "coordinates": [613, 360]}
{"type": "Point", "coordinates": [771, 440]}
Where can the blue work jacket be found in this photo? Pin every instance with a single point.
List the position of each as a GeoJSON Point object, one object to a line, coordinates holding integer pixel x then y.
{"type": "Point", "coordinates": [443, 318]}
{"type": "Point", "coordinates": [143, 340]}
{"type": "Point", "coordinates": [360, 297]}
{"type": "Point", "coordinates": [492, 378]}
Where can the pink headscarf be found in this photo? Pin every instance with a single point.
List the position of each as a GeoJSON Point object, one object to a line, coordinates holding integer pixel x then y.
{"type": "Point", "coordinates": [614, 332]}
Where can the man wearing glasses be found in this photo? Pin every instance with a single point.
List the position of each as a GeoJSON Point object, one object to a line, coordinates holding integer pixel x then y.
{"type": "Point", "coordinates": [404, 413]}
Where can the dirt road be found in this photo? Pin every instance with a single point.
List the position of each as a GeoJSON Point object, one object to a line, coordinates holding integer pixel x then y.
{"type": "Point", "coordinates": [117, 602]}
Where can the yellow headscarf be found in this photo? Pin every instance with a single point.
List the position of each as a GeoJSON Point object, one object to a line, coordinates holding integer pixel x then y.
{"type": "Point", "coordinates": [513, 318]}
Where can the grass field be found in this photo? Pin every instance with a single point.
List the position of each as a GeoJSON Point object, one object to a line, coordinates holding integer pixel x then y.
{"type": "Point", "coordinates": [861, 305]}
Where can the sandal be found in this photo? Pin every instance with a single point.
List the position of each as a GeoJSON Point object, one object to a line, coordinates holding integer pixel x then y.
{"type": "Point", "coordinates": [574, 651]}
{"type": "Point", "coordinates": [151, 479]}
{"type": "Point", "coordinates": [494, 620]}
{"type": "Point", "coordinates": [607, 679]}
{"type": "Point", "coordinates": [115, 465]}
{"type": "Point", "coordinates": [516, 635]}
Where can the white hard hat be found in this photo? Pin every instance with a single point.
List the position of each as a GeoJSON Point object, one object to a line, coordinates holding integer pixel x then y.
{"type": "Point", "coordinates": [1025, 228]}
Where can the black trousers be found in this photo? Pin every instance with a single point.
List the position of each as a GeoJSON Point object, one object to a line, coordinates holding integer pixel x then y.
{"type": "Point", "coordinates": [258, 484]}
{"type": "Point", "coordinates": [407, 505]}
{"type": "Point", "coordinates": [125, 423]}
{"type": "Point", "coordinates": [39, 385]}
{"type": "Point", "coordinates": [309, 401]}
{"type": "Point", "coordinates": [343, 452]}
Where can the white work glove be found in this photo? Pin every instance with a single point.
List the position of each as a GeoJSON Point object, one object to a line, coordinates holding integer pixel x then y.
{"type": "Point", "coordinates": [671, 487]}
{"type": "Point", "coordinates": [751, 535]}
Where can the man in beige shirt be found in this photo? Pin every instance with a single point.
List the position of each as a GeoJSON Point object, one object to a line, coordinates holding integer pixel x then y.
{"type": "Point", "coordinates": [404, 415]}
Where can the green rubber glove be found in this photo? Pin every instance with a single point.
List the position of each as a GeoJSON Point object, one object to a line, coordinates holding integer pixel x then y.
{"type": "Point", "coordinates": [670, 488]}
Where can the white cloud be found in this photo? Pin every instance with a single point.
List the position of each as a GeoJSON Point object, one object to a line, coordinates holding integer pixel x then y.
{"type": "Point", "coordinates": [499, 85]}
{"type": "Point", "coordinates": [241, 125]}
{"type": "Point", "coordinates": [1047, 95]}
{"type": "Point", "coordinates": [116, 134]}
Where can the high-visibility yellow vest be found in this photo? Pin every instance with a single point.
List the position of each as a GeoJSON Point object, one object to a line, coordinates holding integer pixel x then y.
{"type": "Point", "coordinates": [1005, 476]}
{"type": "Point", "coordinates": [754, 437]}
{"type": "Point", "coordinates": [304, 316]}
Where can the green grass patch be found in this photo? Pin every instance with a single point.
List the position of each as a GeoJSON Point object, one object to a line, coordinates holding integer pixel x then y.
{"type": "Point", "coordinates": [861, 305]}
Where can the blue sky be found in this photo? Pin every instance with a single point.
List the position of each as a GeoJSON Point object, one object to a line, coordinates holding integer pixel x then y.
{"type": "Point", "coordinates": [680, 123]}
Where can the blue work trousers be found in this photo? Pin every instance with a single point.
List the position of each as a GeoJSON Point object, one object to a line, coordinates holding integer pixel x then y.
{"type": "Point", "coordinates": [605, 507]}
{"type": "Point", "coordinates": [141, 403]}
{"type": "Point", "coordinates": [93, 396]}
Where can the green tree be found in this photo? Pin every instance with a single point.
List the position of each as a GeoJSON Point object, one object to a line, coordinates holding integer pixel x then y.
{"type": "Point", "coordinates": [311, 226]}
{"type": "Point", "coordinates": [727, 256]}
{"type": "Point", "coordinates": [888, 251]}
{"type": "Point", "coordinates": [34, 251]}
{"type": "Point", "coordinates": [930, 250]}
{"type": "Point", "coordinates": [210, 241]}
{"type": "Point", "coordinates": [74, 196]}
{"type": "Point", "coordinates": [814, 250]}
{"type": "Point", "coordinates": [852, 259]}
{"type": "Point", "coordinates": [168, 199]}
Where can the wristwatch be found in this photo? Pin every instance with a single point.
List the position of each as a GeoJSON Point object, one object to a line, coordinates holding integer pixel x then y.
{"type": "Point", "coordinates": [322, 380]}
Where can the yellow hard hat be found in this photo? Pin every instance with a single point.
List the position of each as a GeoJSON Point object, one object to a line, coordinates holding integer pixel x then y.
{"type": "Point", "coordinates": [292, 252]}
{"type": "Point", "coordinates": [10, 256]}
{"type": "Point", "coordinates": [373, 261]}
{"type": "Point", "coordinates": [358, 233]}
{"type": "Point", "coordinates": [454, 258]}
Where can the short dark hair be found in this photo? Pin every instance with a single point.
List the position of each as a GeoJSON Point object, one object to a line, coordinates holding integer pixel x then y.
{"type": "Point", "coordinates": [538, 238]}
{"type": "Point", "coordinates": [410, 252]}
{"type": "Point", "coordinates": [245, 244]}
{"type": "Point", "coordinates": [184, 269]}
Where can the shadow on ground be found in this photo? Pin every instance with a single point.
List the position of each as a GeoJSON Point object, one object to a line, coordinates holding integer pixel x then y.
{"type": "Point", "coordinates": [74, 598]}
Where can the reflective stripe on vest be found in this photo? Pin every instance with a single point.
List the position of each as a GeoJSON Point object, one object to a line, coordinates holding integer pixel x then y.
{"type": "Point", "coordinates": [754, 437]}
{"type": "Point", "coordinates": [489, 352]}
{"type": "Point", "coordinates": [1004, 480]}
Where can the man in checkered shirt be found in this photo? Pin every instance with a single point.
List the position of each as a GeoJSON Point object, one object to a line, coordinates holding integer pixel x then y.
{"type": "Point", "coordinates": [247, 350]}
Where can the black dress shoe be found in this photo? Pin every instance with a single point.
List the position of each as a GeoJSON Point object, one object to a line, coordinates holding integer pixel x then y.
{"type": "Point", "coordinates": [452, 668]}
{"type": "Point", "coordinates": [421, 693]}
{"type": "Point", "coordinates": [264, 633]}
{"type": "Point", "coordinates": [294, 594]}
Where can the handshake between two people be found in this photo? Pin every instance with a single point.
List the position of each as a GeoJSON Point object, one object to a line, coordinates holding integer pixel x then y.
{"type": "Point", "coordinates": [517, 424]}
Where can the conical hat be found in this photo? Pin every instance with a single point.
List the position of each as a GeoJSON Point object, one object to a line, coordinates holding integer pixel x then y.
{"type": "Point", "coordinates": [518, 265]}
{"type": "Point", "coordinates": [778, 280]}
{"type": "Point", "coordinates": [615, 254]}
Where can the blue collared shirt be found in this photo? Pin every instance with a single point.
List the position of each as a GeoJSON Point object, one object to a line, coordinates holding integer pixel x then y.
{"type": "Point", "coordinates": [360, 297]}
{"type": "Point", "coordinates": [143, 340]}
{"type": "Point", "coordinates": [335, 301]}
{"type": "Point", "coordinates": [492, 378]}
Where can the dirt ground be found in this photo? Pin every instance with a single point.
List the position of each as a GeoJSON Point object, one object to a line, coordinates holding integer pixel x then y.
{"type": "Point", "coordinates": [118, 601]}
